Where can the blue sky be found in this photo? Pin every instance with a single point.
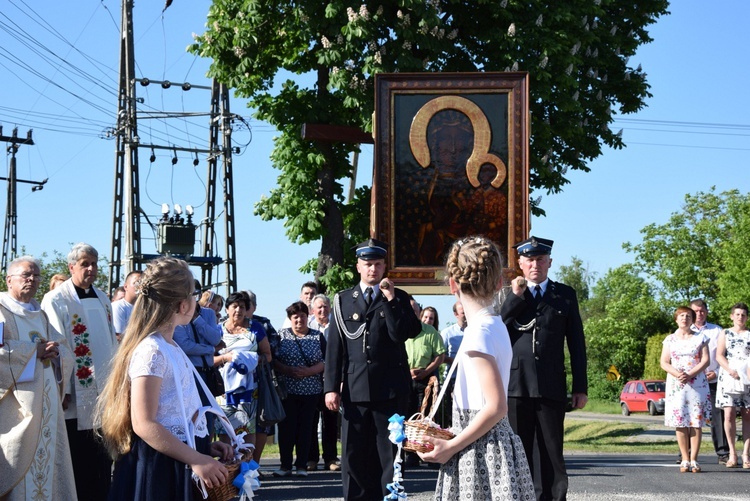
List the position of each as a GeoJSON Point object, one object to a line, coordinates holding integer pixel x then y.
{"type": "Point", "coordinates": [692, 135]}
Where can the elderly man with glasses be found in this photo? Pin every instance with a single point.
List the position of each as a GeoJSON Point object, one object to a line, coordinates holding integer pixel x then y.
{"type": "Point", "coordinates": [35, 367]}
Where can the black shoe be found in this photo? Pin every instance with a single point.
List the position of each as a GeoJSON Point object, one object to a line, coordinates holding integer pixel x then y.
{"type": "Point", "coordinates": [723, 459]}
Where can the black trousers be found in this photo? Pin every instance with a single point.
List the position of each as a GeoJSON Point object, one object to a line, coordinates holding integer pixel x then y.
{"type": "Point", "coordinates": [368, 455]}
{"type": "Point", "coordinates": [721, 444]}
{"type": "Point", "coordinates": [294, 431]}
{"type": "Point", "coordinates": [329, 434]}
{"type": "Point", "coordinates": [92, 466]}
{"type": "Point", "coordinates": [542, 419]}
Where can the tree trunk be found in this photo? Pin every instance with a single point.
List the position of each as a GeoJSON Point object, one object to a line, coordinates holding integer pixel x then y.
{"type": "Point", "coordinates": [332, 243]}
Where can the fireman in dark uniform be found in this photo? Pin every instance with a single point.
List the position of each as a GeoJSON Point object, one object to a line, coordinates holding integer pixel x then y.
{"type": "Point", "coordinates": [542, 316]}
{"type": "Point", "coordinates": [366, 373]}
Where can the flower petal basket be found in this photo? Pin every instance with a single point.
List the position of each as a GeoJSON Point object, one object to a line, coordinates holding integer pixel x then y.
{"type": "Point", "coordinates": [420, 426]}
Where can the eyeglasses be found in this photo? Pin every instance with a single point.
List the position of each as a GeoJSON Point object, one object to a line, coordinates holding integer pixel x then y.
{"type": "Point", "coordinates": [195, 294]}
{"type": "Point", "coordinates": [27, 276]}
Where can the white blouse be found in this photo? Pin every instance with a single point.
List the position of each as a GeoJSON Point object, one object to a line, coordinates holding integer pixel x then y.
{"type": "Point", "coordinates": [150, 359]}
{"type": "Point", "coordinates": [486, 334]}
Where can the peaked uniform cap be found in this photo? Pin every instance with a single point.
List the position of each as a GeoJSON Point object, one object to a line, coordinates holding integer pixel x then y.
{"type": "Point", "coordinates": [534, 246]}
{"type": "Point", "coordinates": [371, 249]}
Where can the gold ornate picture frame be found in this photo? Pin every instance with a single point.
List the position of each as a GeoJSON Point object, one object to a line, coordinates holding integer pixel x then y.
{"type": "Point", "coordinates": [451, 160]}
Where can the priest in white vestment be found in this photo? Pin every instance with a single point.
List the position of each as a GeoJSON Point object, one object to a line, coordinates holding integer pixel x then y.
{"type": "Point", "coordinates": [83, 314]}
{"type": "Point", "coordinates": [35, 368]}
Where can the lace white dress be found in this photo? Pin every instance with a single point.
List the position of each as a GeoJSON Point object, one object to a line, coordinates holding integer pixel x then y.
{"type": "Point", "coordinates": [152, 358]}
{"type": "Point", "coordinates": [145, 473]}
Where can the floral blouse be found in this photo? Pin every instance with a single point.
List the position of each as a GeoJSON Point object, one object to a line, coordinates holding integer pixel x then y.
{"type": "Point", "coordinates": [306, 351]}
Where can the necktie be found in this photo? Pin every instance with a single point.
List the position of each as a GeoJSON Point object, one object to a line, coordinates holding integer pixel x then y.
{"type": "Point", "coordinates": [368, 296]}
{"type": "Point", "coordinates": [537, 294]}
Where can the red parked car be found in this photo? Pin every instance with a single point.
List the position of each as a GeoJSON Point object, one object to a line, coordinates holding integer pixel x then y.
{"type": "Point", "coordinates": [643, 396]}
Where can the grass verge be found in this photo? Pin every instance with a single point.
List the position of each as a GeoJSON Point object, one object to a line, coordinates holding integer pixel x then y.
{"type": "Point", "coordinates": [602, 407]}
{"type": "Point", "coordinates": [613, 438]}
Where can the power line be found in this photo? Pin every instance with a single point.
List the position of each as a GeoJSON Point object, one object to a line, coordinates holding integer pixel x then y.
{"type": "Point", "coordinates": [689, 146]}
{"type": "Point", "coordinates": [681, 123]}
{"type": "Point", "coordinates": [703, 133]}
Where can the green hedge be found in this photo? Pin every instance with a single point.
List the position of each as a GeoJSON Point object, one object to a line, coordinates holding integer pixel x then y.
{"type": "Point", "coordinates": [600, 388]}
{"type": "Point", "coordinates": [651, 367]}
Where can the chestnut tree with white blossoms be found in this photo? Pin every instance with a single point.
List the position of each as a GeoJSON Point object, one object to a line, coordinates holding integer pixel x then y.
{"type": "Point", "coordinates": [577, 55]}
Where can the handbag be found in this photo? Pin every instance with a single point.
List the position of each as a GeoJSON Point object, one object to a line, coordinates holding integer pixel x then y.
{"type": "Point", "coordinates": [270, 406]}
{"type": "Point", "coordinates": [214, 381]}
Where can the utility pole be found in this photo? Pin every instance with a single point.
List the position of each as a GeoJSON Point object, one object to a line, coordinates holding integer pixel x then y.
{"type": "Point", "coordinates": [126, 226]}
{"type": "Point", "coordinates": [126, 221]}
{"type": "Point", "coordinates": [220, 133]}
{"type": "Point", "coordinates": [11, 217]}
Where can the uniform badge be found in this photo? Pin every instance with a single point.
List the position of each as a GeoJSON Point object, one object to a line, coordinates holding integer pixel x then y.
{"type": "Point", "coordinates": [355, 294]}
{"type": "Point", "coordinates": [355, 316]}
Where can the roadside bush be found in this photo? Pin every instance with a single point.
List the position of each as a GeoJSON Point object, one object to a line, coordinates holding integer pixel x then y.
{"type": "Point", "coordinates": [651, 367]}
{"type": "Point", "coordinates": [600, 388]}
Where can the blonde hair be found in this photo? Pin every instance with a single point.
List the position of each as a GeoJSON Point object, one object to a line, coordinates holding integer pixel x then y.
{"type": "Point", "coordinates": [209, 297]}
{"type": "Point", "coordinates": [57, 279]}
{"type": "Point", "coordinates": [163, 286]}
{"type": "Point", "coordinates": [475, 263]}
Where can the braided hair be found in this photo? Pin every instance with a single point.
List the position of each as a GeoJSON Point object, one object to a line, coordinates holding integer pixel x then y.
{"type": "Point", "coordinates": [475, 264]}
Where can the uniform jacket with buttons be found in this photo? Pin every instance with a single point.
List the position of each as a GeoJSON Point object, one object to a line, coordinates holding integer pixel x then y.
{"type": "Point", "coordinates": [538, 367]}
{"type": "Point", "coordinates": [373, 367]}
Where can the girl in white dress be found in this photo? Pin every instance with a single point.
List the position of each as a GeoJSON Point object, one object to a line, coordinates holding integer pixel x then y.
{"type": "Point", "coordinates": [733, 355]}
{"type": "Point", "coordinates": [485, 460]}
{"type": "Point", "coordinates": [151, 397]}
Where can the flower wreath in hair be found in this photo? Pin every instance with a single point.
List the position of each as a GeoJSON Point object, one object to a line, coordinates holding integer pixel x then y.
{"type": "Point", "coordinates": [477, 240]}
{"type": "Point", "coordinates": [143, 288]}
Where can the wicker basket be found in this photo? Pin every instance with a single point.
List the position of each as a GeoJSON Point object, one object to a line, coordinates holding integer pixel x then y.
{"type": "Point", "coordinates": [227, 491]}
{"type": "Point", "coordinates": [420, 426]}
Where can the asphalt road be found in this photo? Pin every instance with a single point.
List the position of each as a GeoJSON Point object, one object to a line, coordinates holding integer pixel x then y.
{"type": "Point", "coordinates": [593, 477]}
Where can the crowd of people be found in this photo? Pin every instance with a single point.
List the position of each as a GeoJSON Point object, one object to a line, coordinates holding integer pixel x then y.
{"type": "Point", "coordinates": [121, 389]}
{"type": "Point", "coordinates": [127, 382]}
{"type": "Point", "coordinates": [708, 382]}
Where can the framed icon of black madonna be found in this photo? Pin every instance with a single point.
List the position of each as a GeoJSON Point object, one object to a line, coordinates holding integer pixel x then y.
{"type": "Point", "coordinates": [451, 160]}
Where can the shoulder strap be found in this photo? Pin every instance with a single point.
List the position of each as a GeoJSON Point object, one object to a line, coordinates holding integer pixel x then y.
{"type": "Point", "coordinates": [445, 386]}
{"type": "Point", "coordinates": [189, 435]}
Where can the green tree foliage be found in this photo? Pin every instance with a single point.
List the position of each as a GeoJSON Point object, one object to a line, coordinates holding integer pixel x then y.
{"type": "Point", "coordinates": [577, 276]}
{"type": "Point", "coordinates": [623, 315]}
{"type": "Point", "coordinates": [576, 54]}
{"type": "Point", "coordinates": [733, 256]}
{"type": "Point", "coordinates": [51, 265]}
{"type": "Point", "coordinates": [702, 251]}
